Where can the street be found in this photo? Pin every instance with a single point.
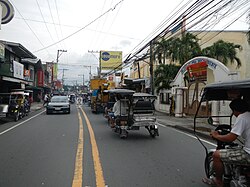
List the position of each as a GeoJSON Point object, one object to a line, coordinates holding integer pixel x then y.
{"type": "Point", "coordinates": [81, 150]}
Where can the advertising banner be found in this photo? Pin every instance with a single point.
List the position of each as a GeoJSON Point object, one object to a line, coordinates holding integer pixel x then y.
{"type": "Point", "coordinates": [110, 60]}
{"type": "Point", "coordinates": [18, 69]}
{"type": "Point", "coordinates": [55, 70]}
{"type": "Point", "coordinates": [40, 78]}
{"type": "Point", "coordinates": [50, 71]}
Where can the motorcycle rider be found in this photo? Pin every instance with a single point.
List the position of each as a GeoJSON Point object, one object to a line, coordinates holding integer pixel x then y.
{"type": "Point", "coordinates": [239, 156]}
{"type": "Point", "coordinates": [118, 109]}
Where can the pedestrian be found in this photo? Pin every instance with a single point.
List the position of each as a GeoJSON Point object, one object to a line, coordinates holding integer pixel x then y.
{"type": "Point", "coordinates": [45, 100]}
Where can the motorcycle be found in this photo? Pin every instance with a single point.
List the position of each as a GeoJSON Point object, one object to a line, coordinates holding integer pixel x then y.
{"type": "Point", "coordinates": [216, 96]}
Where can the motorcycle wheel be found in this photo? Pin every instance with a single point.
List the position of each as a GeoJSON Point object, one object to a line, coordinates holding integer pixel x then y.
{"type": "Point", "coordinates": [152, 133]}
{"type": "Point", "coordinates": [16, 116]}
{"type": "Point", "coordinates": [209, 165]}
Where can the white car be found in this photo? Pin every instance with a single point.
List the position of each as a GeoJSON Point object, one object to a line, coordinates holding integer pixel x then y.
{"type": "Point", "coordinates": [58, 104]}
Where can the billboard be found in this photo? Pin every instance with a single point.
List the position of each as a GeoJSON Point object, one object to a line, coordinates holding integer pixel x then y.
{"type": "Point", "coordinates": [110, 60]}
{"type": "Point", "coordinates": [197, 71]}
{"type": "Point", "coordinates": [18, 69]}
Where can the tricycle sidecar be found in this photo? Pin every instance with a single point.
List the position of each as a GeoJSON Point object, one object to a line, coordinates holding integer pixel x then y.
{"type": "Point", "coordinates": [137, 111]}
{"type": "Point", "coordinates": [14, 105]}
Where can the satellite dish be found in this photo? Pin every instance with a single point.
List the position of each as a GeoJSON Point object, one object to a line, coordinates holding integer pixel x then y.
{"type": "Point", "coordinates": [7, 11]}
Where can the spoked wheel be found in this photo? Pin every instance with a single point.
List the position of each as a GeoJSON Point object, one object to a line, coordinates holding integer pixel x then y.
{"type": "Point", "coordinates": [16, 116]}
{"type": "Point", "coordinates": [209, 165]}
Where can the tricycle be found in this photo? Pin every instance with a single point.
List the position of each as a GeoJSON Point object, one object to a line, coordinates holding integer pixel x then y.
{"type": "Point", "coordinates": [133, 111]}
{"type": "Point", "coordinates": [14, 105]}
{"type": "Point", "coordinates": [214, 106]}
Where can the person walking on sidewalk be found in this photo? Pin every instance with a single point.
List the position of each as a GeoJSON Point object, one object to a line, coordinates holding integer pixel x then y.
{"type": "Point", "coordinates": [45, 99]}
{"type": "Point", "coordinates": [238, 156]}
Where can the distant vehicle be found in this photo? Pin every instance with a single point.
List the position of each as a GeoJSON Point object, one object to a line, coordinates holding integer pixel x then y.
{"type": "Point", "coordinates": [58, 104]}
{"type": "Point", "coordinates": [72, 98]}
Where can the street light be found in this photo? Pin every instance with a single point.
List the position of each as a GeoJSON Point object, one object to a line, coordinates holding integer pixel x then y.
{"type": "Point", "coordinates": [59, 54]}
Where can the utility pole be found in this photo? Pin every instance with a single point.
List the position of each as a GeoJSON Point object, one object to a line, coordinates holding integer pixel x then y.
{"type": "Point", "coordinates": [90, 75]}
{"type": "Point", "coordinates": [151, 68]}
{"type": "Point", "coordinates": [82, 80]}
{"type": "Point", "coordinates": [92, 51]}
{"type": "Point", "coordinates": [63, 75]}
{"type": "Point", "coordinates": [59, 54]}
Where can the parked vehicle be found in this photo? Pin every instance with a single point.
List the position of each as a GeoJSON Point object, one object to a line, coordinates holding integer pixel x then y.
{"type": "Point", "coordinates": [58, 104]}
{"type": "Point", "coordinates": [14, 105]}
{"type": "Point", "coordinates": [235, 175]}
{"type": "Point", "coordinates": [137, 111]}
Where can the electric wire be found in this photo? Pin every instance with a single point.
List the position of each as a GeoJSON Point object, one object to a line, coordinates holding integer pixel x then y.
{"type": "Point", "coordinates": [44, 21]}
{"type": "Point", "coordinates": [79, 30]}
{"type": "Point", "coordinates": [33, 32]}
{"type": "Point", "coordinates": [190, 27]}
{"type": "Point", "coordinates": [52, 17]}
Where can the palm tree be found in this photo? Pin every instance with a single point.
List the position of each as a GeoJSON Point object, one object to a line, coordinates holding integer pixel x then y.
{"type": "Point", "coordinates": [224, 52]}
{"type": "Point", "coordinates": [161, 50]}
{"type": "Point", "coordinates": [177, 49]}
{"type": "Point", "coordinates": [184, 48]}
{"type": "Point", "coordinates": [163, 75]}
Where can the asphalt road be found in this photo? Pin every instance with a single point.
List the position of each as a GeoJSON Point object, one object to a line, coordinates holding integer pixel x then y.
{"type": "Point", "coordinates": [68, 150]}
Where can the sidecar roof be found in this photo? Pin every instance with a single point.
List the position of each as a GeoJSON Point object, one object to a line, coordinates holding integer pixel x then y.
{"type": "Point", "coordinates": [122, 91]}
{"type": "Point", "coordinates": [147, 95]}
{"type": "Point", "coordinates": [227, 90]}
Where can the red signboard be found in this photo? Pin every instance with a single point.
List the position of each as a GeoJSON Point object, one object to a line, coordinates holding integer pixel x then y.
{"type": "Point", "coordinates": [197, 71]}
{"type": "Point", "coordinates": [40, 78]}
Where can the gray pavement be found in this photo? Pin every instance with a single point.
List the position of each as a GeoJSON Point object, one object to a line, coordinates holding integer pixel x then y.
{"type": "Point", "coordinates": [184, 123]}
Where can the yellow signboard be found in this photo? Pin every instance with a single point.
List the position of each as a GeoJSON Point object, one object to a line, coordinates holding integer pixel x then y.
{"type": "Point", "coordinates": [110, 60]}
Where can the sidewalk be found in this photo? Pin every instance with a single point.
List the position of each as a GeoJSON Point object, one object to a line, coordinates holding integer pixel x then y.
{"type": "Point", "coordinates": [36, 106]}
{"type": "Point", "coordinates": [184, 124]}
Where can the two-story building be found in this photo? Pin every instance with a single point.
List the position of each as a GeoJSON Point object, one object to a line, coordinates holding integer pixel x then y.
{"type": "Point", "coordinates": [20, 69]}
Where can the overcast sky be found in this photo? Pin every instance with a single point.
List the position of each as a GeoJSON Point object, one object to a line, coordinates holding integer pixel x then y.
{"type": "Point", "coordinates": [122, 24]}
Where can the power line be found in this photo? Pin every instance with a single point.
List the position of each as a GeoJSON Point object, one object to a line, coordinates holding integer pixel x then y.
{"type": "Point", "coordinates": [111, 9]}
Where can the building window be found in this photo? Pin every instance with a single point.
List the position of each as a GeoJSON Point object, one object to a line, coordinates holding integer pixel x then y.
{"type": "Point", "coordinates": [165, 98]}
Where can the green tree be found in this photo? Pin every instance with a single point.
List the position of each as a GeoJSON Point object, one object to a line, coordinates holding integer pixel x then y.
{"type": "Point", "coordinates": [163, 75]}
{"type": "Point", "coordinates": [161, 50]}
{"type": "Point", "coordinates": [178, 49]}
{"type": "Point", "coordinates": [184, 48]}
{"type": "Point", "coordinates": [224, 52]}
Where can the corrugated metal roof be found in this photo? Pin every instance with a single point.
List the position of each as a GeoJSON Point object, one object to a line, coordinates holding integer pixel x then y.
{"type": "Point", "coordinates": [18, 49]}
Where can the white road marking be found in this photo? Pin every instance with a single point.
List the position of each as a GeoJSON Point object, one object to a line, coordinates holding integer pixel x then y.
{"type": "Point", "coordinates": [17, 125]}
{"type": "Point", "coordinates": [187, 134]}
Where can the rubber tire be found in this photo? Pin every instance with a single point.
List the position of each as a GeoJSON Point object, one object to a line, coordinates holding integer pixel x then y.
{"type": "Point", "coordinates": [209, 165]}
{"type": "Point", "coordinates": [16, 117]}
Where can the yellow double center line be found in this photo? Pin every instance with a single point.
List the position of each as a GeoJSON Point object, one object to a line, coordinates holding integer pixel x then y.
{"type": "Point", "coordinates": [77, 181]}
